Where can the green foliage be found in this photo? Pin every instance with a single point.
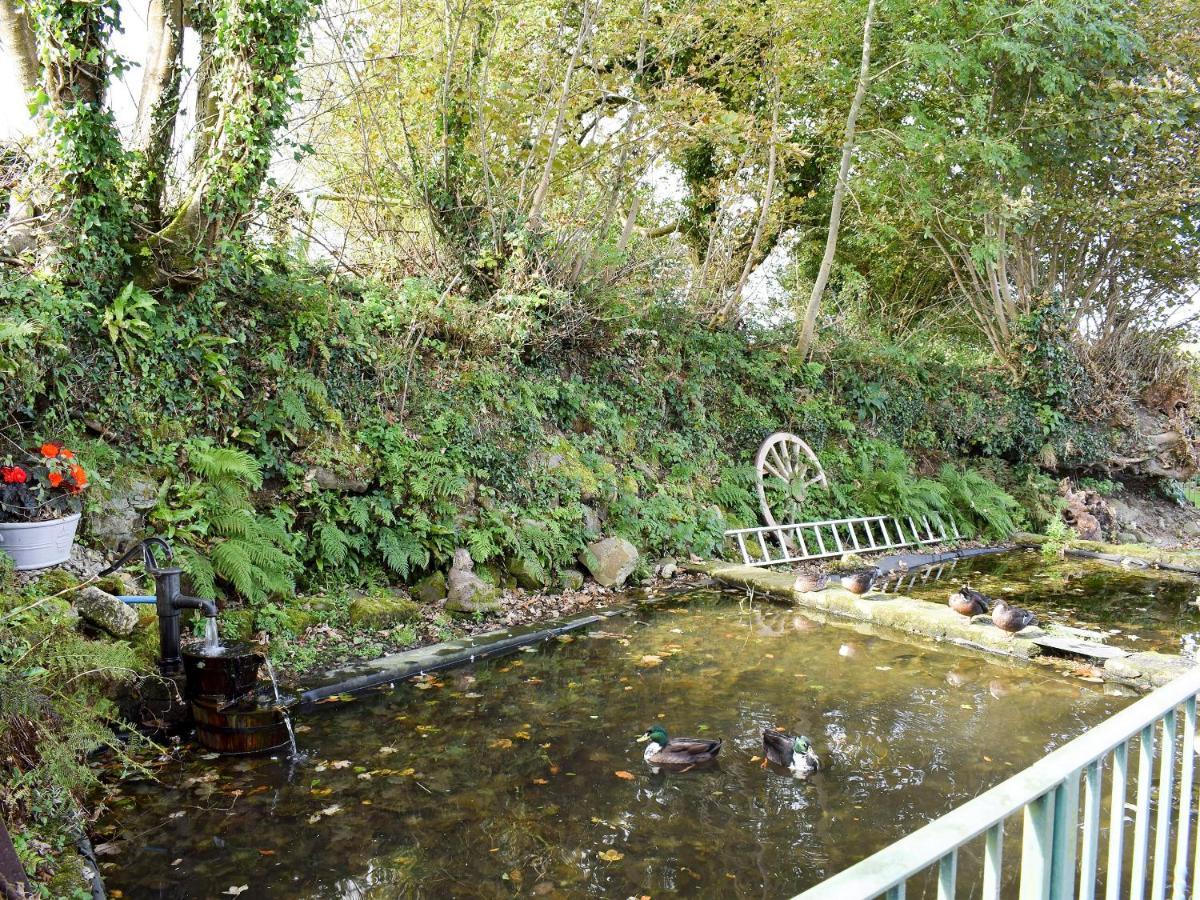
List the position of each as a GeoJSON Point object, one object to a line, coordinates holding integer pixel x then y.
{"type": "Point", "coordinates": [221, 538]}
{"type": "Point", "coordinates": [979, 504]}
{"type": "Point", "coordinates": [55, 710]}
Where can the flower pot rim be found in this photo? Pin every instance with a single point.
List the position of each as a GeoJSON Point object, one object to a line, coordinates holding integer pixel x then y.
{"type": "Point", "coordinates": [43, 523]}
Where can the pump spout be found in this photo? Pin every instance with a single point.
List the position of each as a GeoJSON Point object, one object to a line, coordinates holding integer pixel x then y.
{"type": "Point", "coordinates": [208, 608]}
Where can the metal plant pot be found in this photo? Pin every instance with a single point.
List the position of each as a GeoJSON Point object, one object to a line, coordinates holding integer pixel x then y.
{"type": "Point", "coordinates": [39, 545]}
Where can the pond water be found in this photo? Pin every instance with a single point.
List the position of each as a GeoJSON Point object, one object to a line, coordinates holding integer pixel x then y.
{"type": "Point", "coordinates": [1142, 610]}
{"type": "Point", "coordinates": [521, 777]}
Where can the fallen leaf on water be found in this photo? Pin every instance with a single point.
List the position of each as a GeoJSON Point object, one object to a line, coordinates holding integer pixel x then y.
{"type": "Point", "coordinates": [523, 735]}
{"type": "Point", "coordinates": [554, 769]}
{"type": "Point", "coordinates": [385, 751]}
{"type": "Point", "coordinates": [176, 862]}
{"type": "Point", "coordinates": [266, 852]}
{"type": "Point", "coordinates": [612, 855]}
{"type": "Point", "coordinates": [501, 744]}
{"type": "Point", "coordinates": [472, 695]}
{"type": "Point", "coordinates": [339, 764]}
{"type": "Point", "coordinates": [540, 781]}
{"type": "Point", "coordinates": [628, 776]}
{"type": "Point", "coordinates": [178, 814]}
{"type": "Point", "coordinates": [409, 771]}
{"type": "Point", "coordinates": [236, 890]}
{"type": "Point", "coordinates": [649, 661]}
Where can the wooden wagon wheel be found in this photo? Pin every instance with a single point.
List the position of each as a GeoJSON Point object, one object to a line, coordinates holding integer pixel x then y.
{"type": "Point", "coordinates": [787, 468]}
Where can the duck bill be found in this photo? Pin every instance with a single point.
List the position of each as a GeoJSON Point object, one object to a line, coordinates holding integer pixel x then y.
{"type": "Point", "coordinates": [642, 738]}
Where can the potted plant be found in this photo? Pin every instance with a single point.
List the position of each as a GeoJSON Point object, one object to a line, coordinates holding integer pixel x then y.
{"type": "Point", "coordinates": [855, 573]}
{"type": "Point", "coordinates": [39, 506]}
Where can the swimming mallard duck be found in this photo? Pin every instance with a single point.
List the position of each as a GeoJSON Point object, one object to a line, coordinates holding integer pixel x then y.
{"type": "Point", "coordinates": [795, 753]}
{"type": "Point", "coordinates": [1011, 618]}
{"type": "Point", "coordinates": [668, 751]}
{"type": "Point", "coordinates": [967, 601]}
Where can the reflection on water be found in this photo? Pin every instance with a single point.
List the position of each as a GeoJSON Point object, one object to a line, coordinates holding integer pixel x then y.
{"type": "Point", "coordinates": [1144, 610]}
{"type": "Point", "coordinates": [521, 777]}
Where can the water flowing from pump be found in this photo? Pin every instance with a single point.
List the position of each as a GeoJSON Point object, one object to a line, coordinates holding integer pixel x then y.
{"type": "Point", "coordinates": [212, 638]}
{"type": "Point", "coordinates": [287, 719]}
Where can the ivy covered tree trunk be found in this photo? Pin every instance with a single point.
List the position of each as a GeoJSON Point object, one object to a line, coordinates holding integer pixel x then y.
{"type": "Point", "coordinates": [92, 207]}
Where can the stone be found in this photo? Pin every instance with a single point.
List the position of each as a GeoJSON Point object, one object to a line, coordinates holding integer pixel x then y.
{"type": "Point", "coordinates": [592, 523]}
{"type": "Point", "coordinates": [382, 610]}
{"type": "Point", "coordinates": [571, 579]}
{"type": "Point", "coordinates": [332, 481]}
{"type": "Point", "coordinates": [1150, 668]}
{"type": "Point", "coordinates": [116, 521]}
{"type": "Point", "coordinates": [611, 561]}
{"type": "Point", "coordinates": [468, 593]}
{"type": "Point", "coordinates": [667, 568]}
{"type": "Point", "coordinates": [106, 612]}
{"type": "Point", "coordinates": [430, 589]}
{"type": "Point", "coordinates": [528, 577]}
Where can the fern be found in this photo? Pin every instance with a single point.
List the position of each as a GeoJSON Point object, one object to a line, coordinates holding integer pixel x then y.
{"type": "Point", "coordinates": [224, 465]}
{"type": "Point", "coordinates": [402, 551]}
{"type": "Point", "coordinates": [978, 501]}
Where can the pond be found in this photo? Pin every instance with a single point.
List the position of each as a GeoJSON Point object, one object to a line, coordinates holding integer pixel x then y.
{"type": "Point", "coordinates": [1140, 609]}
{"type": "Point", "coordinates": [521, 777]}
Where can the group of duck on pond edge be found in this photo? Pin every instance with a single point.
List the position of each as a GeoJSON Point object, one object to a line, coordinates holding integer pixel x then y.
{"type": "Point", "coordinates": [967, 601]}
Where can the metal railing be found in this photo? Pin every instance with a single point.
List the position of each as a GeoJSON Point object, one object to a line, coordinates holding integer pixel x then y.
{"type": "Point", "coordinates": [771, 545]}
{"type": "Point", "coordinates": [1061, 803]}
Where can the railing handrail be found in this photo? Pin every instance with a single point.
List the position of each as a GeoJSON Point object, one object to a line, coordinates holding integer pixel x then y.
{"type": "Point", "coordinates": [895, 863]}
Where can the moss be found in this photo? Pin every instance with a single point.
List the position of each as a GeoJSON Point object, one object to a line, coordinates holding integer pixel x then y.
{"type": "Point", "coordinates": [54, 581]}
{"type": "Point", "coordinates": [383, 610]}
{"type": "Point", "coordinates": [431, 588]}
{"type": "Point", "coordinates": [144, 640]}
{"type": "Point", "coordinates": [236, 624]}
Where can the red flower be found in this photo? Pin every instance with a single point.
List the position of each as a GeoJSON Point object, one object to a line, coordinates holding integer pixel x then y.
{"type": "Point", "coordinates": [66, 454]}
{"type": "Point", "coordinates": [13, 475]}
{"type": "Point", "coordinates": [50, 449]}
{"type": "Point", "coordinates": [55, 479]}
{"type": "Point", "coordinates": [78, 475]}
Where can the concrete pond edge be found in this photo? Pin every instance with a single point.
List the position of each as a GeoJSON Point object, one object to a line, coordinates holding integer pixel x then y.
{"type": "Point", "coordinates": [1142, 670]}
{"type": "Point", "coordinates": [1127, 556]}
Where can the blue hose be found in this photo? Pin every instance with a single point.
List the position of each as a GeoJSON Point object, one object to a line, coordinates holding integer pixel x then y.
{"type": "Point", "coordinates": [142, 598]}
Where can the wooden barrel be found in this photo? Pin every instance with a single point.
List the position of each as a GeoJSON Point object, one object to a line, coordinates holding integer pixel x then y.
{"type": "Point", "coordinates": [252, 725]}
{"type": "Point", "coordinates": [226, 675]}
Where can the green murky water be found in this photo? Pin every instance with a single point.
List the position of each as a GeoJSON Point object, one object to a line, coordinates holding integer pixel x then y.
{"type": "Point", "coordinates": [521, 777]}
{"type": "Point", "coordinates": [1142, 610]}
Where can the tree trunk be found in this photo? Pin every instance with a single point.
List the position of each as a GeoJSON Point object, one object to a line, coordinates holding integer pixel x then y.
{"type": "Point", "coordinates": [539, 194]}
{"type": "Point", "coordinates": [19, 42]}
{"type": "Point", "coordinates": [839, 190]}
{"type": "Point", "coordinates": [158, 106]}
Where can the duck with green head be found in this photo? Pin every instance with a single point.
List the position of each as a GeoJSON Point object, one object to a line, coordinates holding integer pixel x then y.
{"type": "Point", "coordinates": [662, 750]}
{"type": "Point", "coordinates": [795, 753]}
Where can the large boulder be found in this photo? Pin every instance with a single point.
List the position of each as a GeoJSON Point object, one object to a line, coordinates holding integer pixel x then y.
{"type": "Point", "coordinates": [382, 610]}
{"type": "Point", "coordinates": [611, 561]}
{"type": "Point", "coordinates": [106, 612]}
{"type": "Point", "coordinates": [531, 578]}
{"type": "Point", "coordinates": [430, 589]}
{"type": "Point", "coordinates": [570, 579]}
{"type": "Point", "coordinates": [466, 592]}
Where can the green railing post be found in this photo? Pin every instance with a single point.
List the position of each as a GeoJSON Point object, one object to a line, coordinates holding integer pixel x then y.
{"type": "Point", "coordinates": [993, 860]}
{"type": "Point", "coordinates": [1065, 839]}
{"type": "Point", "coordinates": [1184, 830]}
{"type": "Point", "coordinates": [1141, 822]}
{"type": "Point", "coordinates": [1116, 822]}
{"type": "Point", "coordinates": [1037, 847]}
{"type": "Point", "coordinates": [947, 875]}
{"type": "Point", "coordinates": [1162, 825]}
{"type": "Point", "coordinates": [1090, 853]}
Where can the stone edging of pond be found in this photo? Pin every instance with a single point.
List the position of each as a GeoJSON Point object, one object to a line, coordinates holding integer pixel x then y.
{"type": "Point", "coordinates": [362, 676]}
{"type": "Point", "coordinates": [1125, 555]}
{"type": "Point", "coordinates": [1141, 670]}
